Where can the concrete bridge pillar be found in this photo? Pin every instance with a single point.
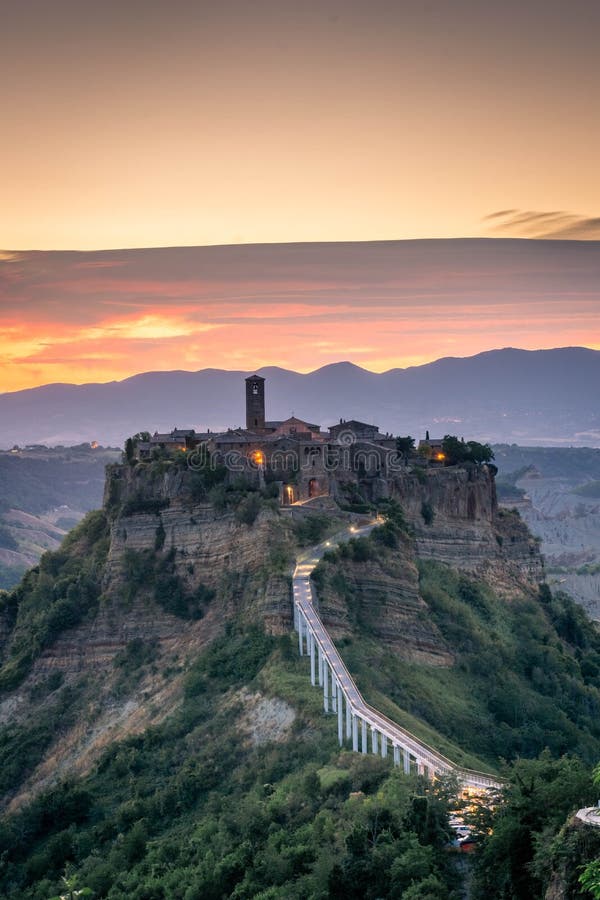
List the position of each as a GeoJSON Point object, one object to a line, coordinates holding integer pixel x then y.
{"type": "Point", "coordinates": [340, 713]}
{"type": "Point", "coordinates": [396, 755]}
{"type": "Point", "coordinates": [384, 745]}
{"type": "Point", "coordinates": [295, 615]}
{"type": "Point", "coordinates": [364, 736]}
{"type": "Point", "coordinates": [354, 733]}
{"type": "Point", "coordinates": [333, 692]}
{"type": "Point", "coordinates": [374, 739]}
{"type": "Point", "coordinates": [325, 686]}
{"type": "Point", "coordinates": [348, 720]}
{"type": "Point", "coordinates": [311, 646]}
{"type": "Point", "coordinates": [406, 761]}
{"type": "Point", "coordinates": [300, 644]}
{"type": "Point", "coordinates": [320, 664]}
{"type": "Point", "coordinates": [420, 767]}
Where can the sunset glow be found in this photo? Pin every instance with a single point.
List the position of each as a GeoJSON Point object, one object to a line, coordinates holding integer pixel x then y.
{"type": "Point", "coordinates": [195, 123]}
{"type": "Point", "coordinates": [111, 315]}
{"type": "Point", "coordinates": [272, 123]}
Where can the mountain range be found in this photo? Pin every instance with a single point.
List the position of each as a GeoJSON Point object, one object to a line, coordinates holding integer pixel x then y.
{"type": "Point", "coordinates": [545, 397]}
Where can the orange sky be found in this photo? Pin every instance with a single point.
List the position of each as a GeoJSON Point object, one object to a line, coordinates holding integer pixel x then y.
{"type": "Point", "coordinates": [142, 123]}
{"type": "Point", "coordinates": [134, 123]}
{"type": "Point", "coordinates": [99, 316]}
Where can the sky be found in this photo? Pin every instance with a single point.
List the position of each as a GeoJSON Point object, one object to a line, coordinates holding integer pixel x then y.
{"type": "Point", "coordinates": [81, 317]}
{"type": "Point", "coordinates": [144, 123]}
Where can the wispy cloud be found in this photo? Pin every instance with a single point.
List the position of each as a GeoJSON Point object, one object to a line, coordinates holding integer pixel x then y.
{"type": "Point", "coordinates": [555, 224]}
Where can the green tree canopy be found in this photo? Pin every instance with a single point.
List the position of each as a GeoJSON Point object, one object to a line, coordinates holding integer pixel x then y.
{"type": "Point", "coordinates": [458, 451]}
{"type": "Point", "coordinates": [405, 445]}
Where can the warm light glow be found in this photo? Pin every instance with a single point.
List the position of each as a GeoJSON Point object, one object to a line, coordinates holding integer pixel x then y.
{"type": "Point", "coordinates": [440, 456]}
{"type": "Point", "coordinates": [111, 315]}
{"type": "Point", "coordinates": [249, 122]}
{"type": "Point", "coordinates": [258, 457]}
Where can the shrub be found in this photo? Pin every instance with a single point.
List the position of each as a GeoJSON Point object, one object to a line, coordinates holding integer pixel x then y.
{"type": "Point", "coordinates": [312, 529]}
{"type": "Point", "coordinates": [159, 538]}
{"type": "Point", "coordinates": [248, 510]}
{"type": "Point", "coordinates": [140, 505]}
{"type": "Point", "coordinates": [427, 512]}
{"type": "Point", "coordinates": [135, 654]}
{"type": "Point", "coordinates": [386, 534]}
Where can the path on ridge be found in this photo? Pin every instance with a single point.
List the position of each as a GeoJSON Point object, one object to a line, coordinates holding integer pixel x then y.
{"type": "Point", "coordinates": [325, 658]}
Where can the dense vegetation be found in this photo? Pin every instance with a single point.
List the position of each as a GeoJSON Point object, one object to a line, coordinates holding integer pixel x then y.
{"type": "Point", "coordinates": [531, 842]}
{"type": "Point", "coordinates": [526, 673]}
{"type": "Point", "coordinates": [55, 595]}
{"type": "Point", "coordinates": [157, 574]}
{"type": "Point", "coordinates": [457, 451]}
{"type": "Point", "coordinates": [192, 810]}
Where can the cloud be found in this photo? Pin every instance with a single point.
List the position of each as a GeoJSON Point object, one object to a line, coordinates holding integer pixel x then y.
{"type": "Point", "coordinates": [385, 303]}
{"type": "Point", "coordinates": [555, 224]}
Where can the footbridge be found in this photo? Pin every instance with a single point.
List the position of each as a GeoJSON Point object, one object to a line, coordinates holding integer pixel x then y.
{"type": "Point", "coordinates": [358, 723]}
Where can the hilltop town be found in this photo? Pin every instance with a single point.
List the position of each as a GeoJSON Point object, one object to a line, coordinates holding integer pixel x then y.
{"type": "Point", "coordinates": [302, 458]}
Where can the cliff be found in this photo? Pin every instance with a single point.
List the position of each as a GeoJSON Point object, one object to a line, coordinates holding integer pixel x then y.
{"type": "Point", "coordinates": [158, 513]}
{"type": "Point", "coordinates": [378, 593]}
{"type": "Point", "coordinates": [456, 520]}
{"type": "Point", "coordinates": [176, 555]}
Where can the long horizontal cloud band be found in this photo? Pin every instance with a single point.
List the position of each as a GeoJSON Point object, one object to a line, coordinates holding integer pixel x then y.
{"type": "Point", "coordinates": [98, 316]}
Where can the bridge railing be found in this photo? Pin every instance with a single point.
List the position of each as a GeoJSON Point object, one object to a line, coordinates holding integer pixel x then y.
{"type": "Point", "coordinates": [378, 721]}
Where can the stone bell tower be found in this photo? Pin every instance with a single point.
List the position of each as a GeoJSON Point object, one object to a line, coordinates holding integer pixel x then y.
{"type": "Point", "coordinates": [255, 403]}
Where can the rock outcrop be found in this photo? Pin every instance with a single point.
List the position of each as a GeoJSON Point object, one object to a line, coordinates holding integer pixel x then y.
{"type": "Point", "coordinates": [456, 520]}
{"type": "Point", "coordinates": [381, 597]}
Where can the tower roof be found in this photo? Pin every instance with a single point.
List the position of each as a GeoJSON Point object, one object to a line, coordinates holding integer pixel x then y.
{"type": "Point", "coordinates": [255, 378]}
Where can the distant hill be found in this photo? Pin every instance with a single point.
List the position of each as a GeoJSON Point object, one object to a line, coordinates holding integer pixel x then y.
{"type": "Point", "coordinates": [43, 494]}
{"type": "Point", "coordinates": [544, 397]}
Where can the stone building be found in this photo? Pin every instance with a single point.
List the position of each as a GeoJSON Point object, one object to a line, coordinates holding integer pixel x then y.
{"type": "Point", "coordinates": [305, 461]}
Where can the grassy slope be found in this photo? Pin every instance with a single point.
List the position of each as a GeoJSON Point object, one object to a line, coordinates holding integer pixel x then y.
{"type": "Point", "coordinates": [526, 676]}
{"type": "Point", "coordinates": [190, 810]}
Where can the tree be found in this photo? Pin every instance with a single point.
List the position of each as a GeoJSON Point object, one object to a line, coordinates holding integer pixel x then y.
{"type": "Point", "coordinates": [72, 890]}
{"type": "Point", "coordinates": [405, 445]}
{"type": "Point", "coordinates": [542, 793]}
{"type": "Point", "coordinates": [454, 450]}
{"type": "Point", "coordinates": [480, 453]}
{"type": "Point", "coordinates": [457, 451]}
{"type": "Point", "coordinates": [590, 879]}
{"type": "Point", "coordinates": [129, 450]}
{"type": "Point", "coordinates": [132, 442]}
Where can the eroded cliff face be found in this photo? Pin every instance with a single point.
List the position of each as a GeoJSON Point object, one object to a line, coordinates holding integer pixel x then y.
{"type": "Point", "coordinates": [158, 521]}
{"type": "Point", "coordinates": [456, 520]}
{"type": "Point", "coordinates": [381, 596]}
{"type": "Point", "coordinates": [244, 567]}
{"type": "Point", "coordinates": [246, 564]}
